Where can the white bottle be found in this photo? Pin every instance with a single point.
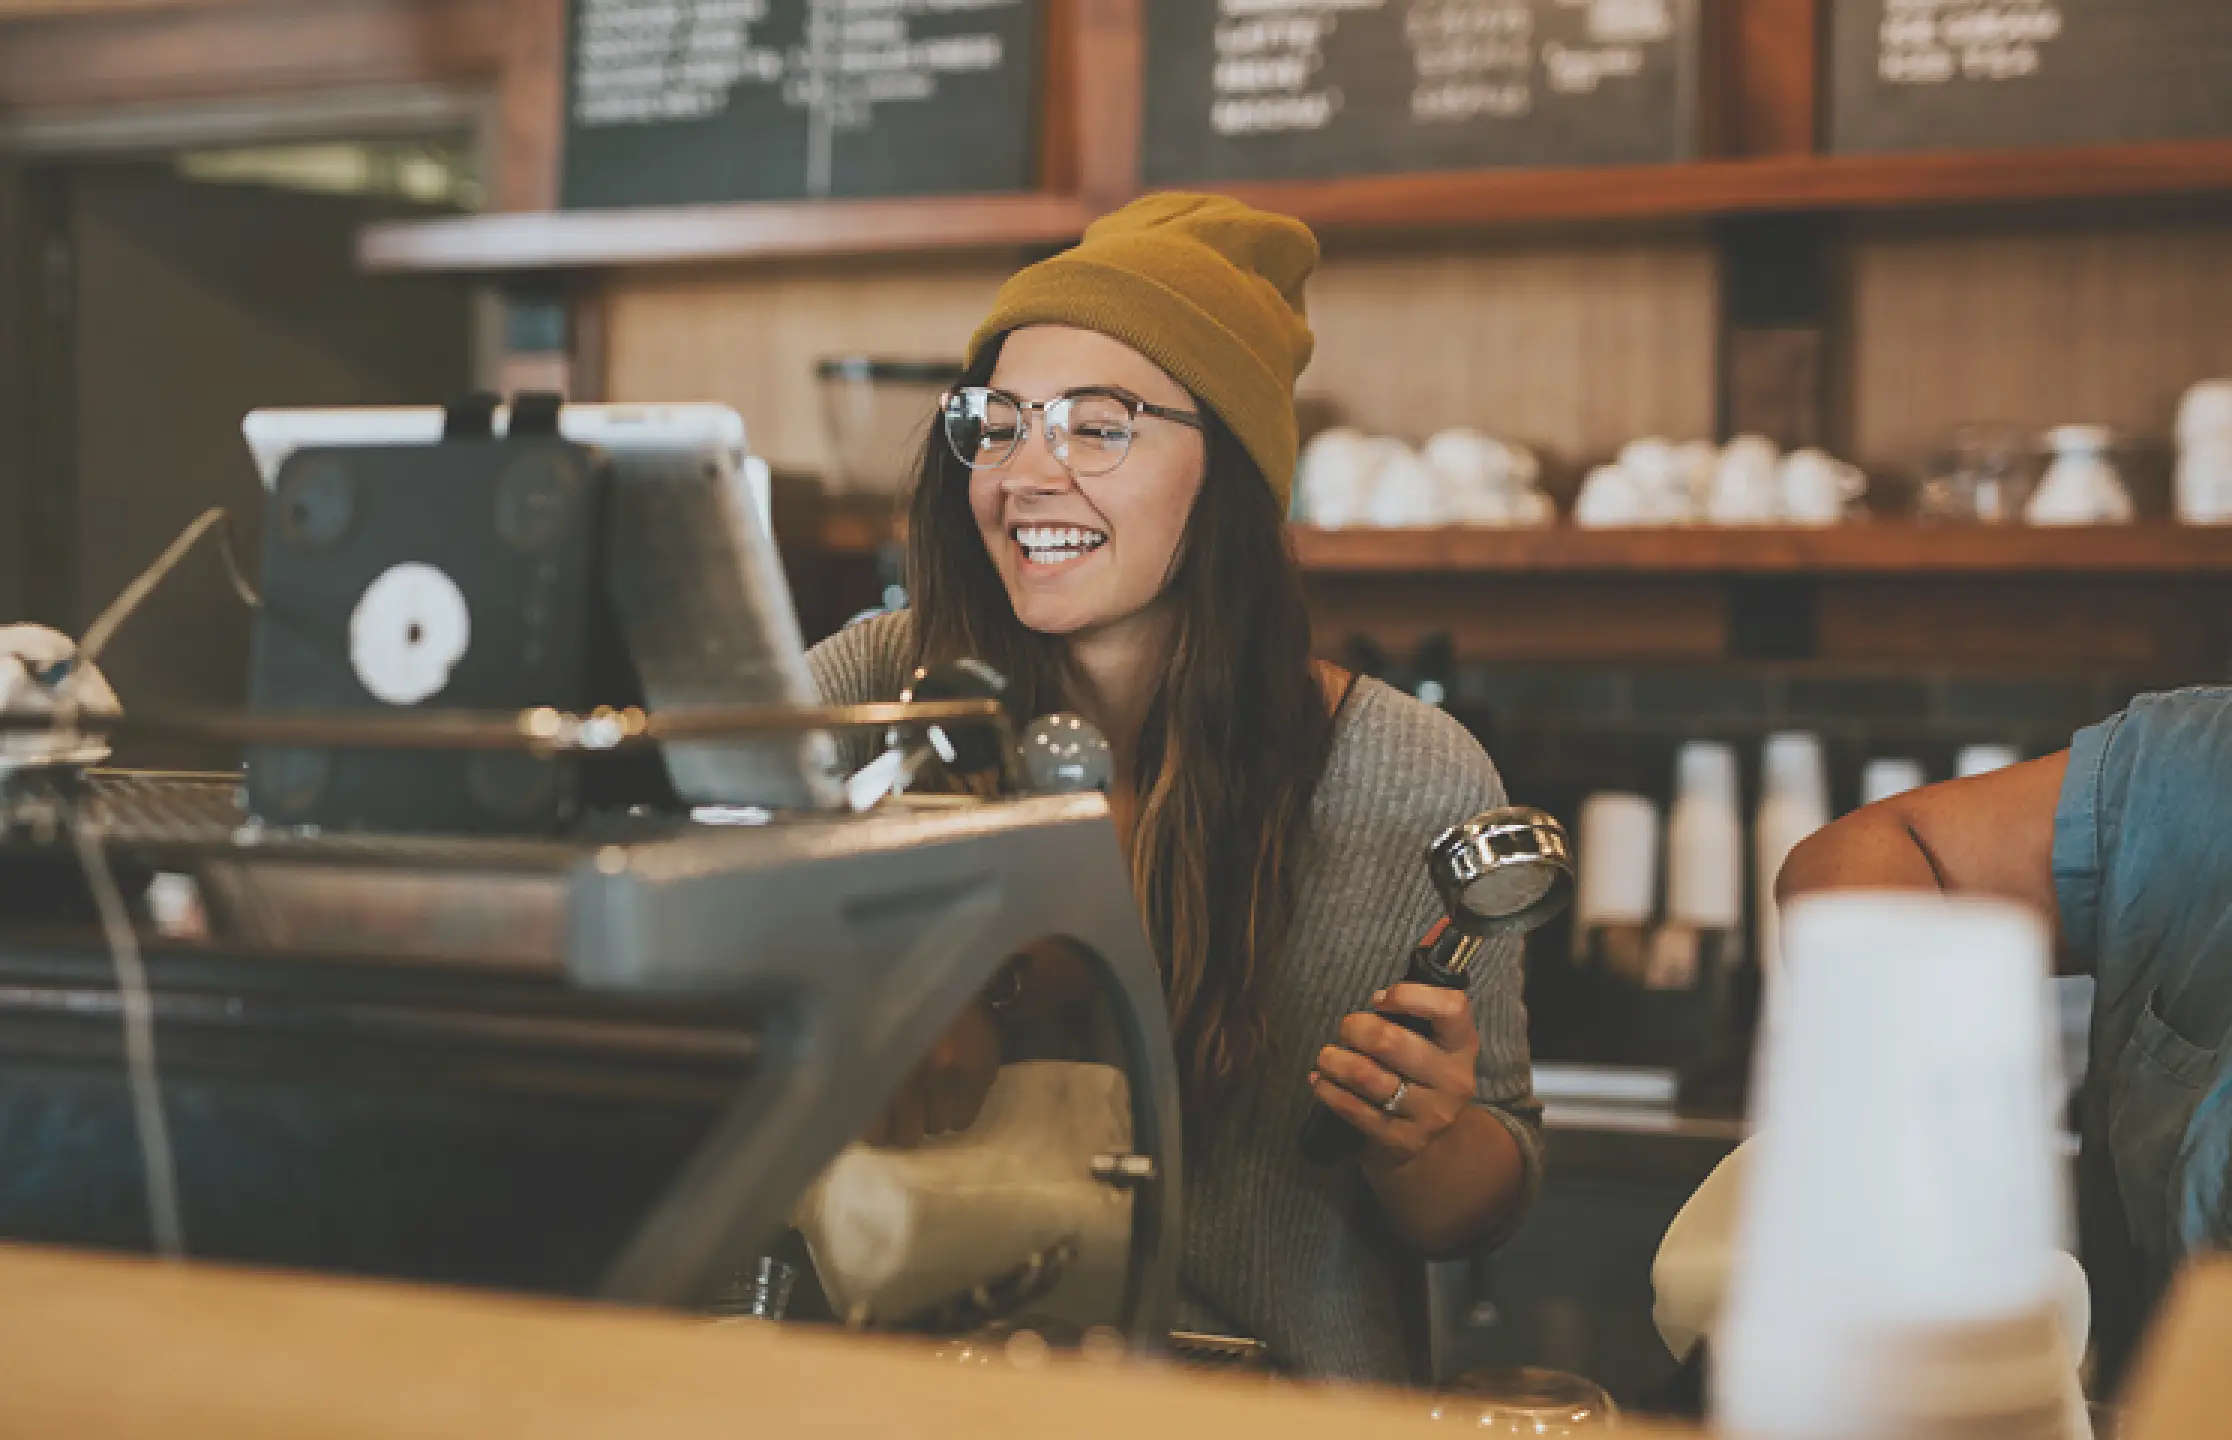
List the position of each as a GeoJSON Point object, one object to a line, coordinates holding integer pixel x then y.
{"type": "Point", "coordinates": [1704, 872]}
{"type": "Point", "coordinates": [1978, 760]}
{"type": "Point", "coordinates": [1882, 779]}
{"type": "Point", "coordinates": [1705, 841]}
{"type": "Point", "coordinates": [2205, 454]}
{"type": "Point", "coordinates": [1617, 893]}
{"type": "Point", "coordinates": [1793, 804]}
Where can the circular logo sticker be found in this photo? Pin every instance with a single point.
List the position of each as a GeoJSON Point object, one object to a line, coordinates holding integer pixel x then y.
{"type": "Point", "coordinates": [410, 628]}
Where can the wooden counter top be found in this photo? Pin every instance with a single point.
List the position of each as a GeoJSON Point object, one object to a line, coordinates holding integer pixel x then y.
{"type": "Point", "coordinates": [119, 1347]}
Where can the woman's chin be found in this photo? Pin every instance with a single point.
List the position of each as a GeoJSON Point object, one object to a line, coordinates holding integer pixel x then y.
{"type": "Point", "coordinates": [1060, 616]}
{"type": "Point", "coordinates": [1057, 621]}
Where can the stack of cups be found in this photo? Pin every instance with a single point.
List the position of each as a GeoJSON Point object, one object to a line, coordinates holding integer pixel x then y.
{"type": "Point", "coordinates": [1793, 803]}
{"type": "Point", "coordinates": [1975, 760]}
{"type": "Point", "coordinates": [1884, 779]}
{"type": "Point", "coordinates": [1705, 841]}
{"type": "Point", "coordinates": [1618, 882]}
{"type": "Point", "coordinates": [2205, 454]}
{"type": "Point", "coordinates": [1897, 1267]}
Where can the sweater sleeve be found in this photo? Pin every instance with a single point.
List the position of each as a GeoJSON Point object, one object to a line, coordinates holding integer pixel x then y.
{"type": "Point", "coordinates": [1404, 772]}
{"type": "Point", "coordinates": [861, 665]}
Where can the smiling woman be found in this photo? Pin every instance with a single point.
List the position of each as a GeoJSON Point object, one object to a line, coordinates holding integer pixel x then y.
{"type": "Point", "coordinates": [1102, 519]}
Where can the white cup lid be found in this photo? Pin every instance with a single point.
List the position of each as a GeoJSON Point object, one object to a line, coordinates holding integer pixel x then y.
{"type": "Point", "coordinates": [1882, 779]}
{"type": "Point", "coordinates": [2206, 412]}
{"type": "Point", "coordinates": [1792, 765]}
{"type": "Point", "coordinates": [1984, 759]}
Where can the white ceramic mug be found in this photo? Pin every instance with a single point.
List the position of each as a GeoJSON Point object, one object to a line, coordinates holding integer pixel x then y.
{"type": "Point", "coordinates": [1333, 478]}
{"type": "Point", "coordinates": [2205, 482]}
{"type": "Point", "coordinates": [1609, 500]}
{"type": "Point", "coordinates": [1746, 488]}
{"type": "Point", "coordinates": [1819, 489]}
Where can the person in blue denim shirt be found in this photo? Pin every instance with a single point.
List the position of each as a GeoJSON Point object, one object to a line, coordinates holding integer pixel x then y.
{"type": "Point", "coordinates": [2124, 841]}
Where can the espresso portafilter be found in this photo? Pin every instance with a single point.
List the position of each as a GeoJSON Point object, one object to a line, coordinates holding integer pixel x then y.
{"type": "Point", "coordinates": [1503, 872]}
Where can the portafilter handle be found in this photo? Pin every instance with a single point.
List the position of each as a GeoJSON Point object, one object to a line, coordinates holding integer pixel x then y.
{"type": "Point", "coordinates": [1503, 872]}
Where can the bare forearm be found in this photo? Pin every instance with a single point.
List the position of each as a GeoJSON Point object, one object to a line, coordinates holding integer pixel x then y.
{"type": "Point", "coordinates": [1458, 1190]}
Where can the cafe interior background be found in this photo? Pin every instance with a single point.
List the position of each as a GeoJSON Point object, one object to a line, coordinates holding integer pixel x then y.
{"type": "Point", "coordinates": [1954, 295]}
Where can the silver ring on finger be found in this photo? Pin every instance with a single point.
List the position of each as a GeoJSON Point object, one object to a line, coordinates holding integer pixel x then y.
{"type": "Point", "coordinates": [1392, 1106]}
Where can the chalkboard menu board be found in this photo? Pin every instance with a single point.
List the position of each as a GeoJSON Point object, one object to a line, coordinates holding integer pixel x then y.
{"type": "Point", "coordinates": [1301, 89]}
{"type": "Point", "coordinates": [1980, 74]}
{"type": "Point", "coordinates": [698, 101]}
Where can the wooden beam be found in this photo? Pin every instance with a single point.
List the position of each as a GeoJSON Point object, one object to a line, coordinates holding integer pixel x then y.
{"type": "Point", "coordinates": [1108, 77]}
{"type": "Point", "coordinates": [1058, 100]}
{"type": "Point", "coordinates": [1877, 549]}
{"type": "Point", "coordinates": [1772, 76]}
{"type": "Point", "coordinates": [1492, 199]}
{"type": "Point", "coordinates": [701, 233]}
{"type": "Point", "coordinates": [531, 105]}
{"type": "Point", "coordinates": [151, 54]}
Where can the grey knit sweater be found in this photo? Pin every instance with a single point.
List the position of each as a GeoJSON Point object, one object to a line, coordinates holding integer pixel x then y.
{"type": "Point", "coordinates": [1276, 1248]}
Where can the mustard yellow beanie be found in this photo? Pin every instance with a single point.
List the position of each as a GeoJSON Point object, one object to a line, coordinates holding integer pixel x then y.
{"type": "Point", "coordinates": [1202, 285]}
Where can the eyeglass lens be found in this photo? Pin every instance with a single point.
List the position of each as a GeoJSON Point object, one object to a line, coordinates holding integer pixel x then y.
{"type": "Point", "coordinates": [1088, 434]}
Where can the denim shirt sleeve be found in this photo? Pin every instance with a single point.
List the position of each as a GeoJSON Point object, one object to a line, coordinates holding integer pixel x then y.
{"type": "Point", "coordinates": [2077, 842]}
{"type": "Point", "coordinates": [2143, 837]}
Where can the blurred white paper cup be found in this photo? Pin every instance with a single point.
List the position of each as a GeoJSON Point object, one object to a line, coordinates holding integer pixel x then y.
{"type": "Point", "coordinates": [1619, 861]}
{"type": "Point", "coordinates": [1897, 1267]}
{"type": "Point", "coordinates": [1883, 779]}
{"type": "Point", "coordinates": [1975, 760]}
{"type": "Point", "coordinates": [1705, 840]}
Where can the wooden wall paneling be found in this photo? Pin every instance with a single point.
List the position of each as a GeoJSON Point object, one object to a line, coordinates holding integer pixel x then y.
{"type": "Point", "coordinates": [589, 333]}
{"type": "Point", "coordinates": [1533, 618]}
{"type": "Point", "coordinates": [1058, 100]}
{"type": "Point", "coordinates": [2178, 631]}
{"type": "Point", "coordinates": [1769, 75]}
{"type": "Point", "coordinates": [2175, 632]}
{"type": "Point", "coordinates": [2093, 319]}
{"type": "Point", "coordinates": [1108, 75]}
{"type": "Point", "coordinates": [32, 9]}
{"type": "Point", "coordinates": [751, 337]}
{"type": "Point", "coordinates": [1775, 342]}
{"type": "Point", "coordinates": [531, 105]}
{"type": "Point", "coordinates": [39, 274]}
{"type": "Point", "coordinates": [155, 54]}
{"type": "Point", "coordinates": [1574, 347]}
{"type": "Point", "coordinates": [15, 354]}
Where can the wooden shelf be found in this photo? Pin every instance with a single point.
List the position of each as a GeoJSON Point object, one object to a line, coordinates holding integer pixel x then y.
{"type": "Point", "coordinates": [580, 239]}
{"type": "Point", "coordinates": [1482, 199]}
{"type": "Point", "coordinates": [1496, 198]}
{"type": "Point", "coordinates": [1881, 549]}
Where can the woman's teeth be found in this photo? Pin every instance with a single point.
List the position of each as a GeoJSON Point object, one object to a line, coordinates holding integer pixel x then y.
{"type": "Point", "coordinates": [1053, 544]}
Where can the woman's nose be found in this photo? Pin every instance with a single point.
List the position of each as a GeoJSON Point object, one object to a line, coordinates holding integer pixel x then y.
{"type": "Point", "coordinates": [1034, 469]}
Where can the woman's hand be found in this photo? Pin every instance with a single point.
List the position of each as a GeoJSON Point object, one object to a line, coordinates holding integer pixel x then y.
{"type": "Point", "coordinates": [947, 1090]}
{"type": "Point", "coordinates": [1377, 1059]}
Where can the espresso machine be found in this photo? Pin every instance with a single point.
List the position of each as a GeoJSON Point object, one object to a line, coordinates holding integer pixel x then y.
{"type": "Point", "coordinates": [573, 991]}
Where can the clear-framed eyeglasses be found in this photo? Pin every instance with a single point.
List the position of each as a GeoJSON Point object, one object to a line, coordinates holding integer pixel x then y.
{"type": "Point", "coordinates": [1089, 431]}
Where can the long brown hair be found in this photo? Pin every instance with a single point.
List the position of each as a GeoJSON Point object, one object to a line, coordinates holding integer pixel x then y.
{"type": "Point", "coordinates": [1234, 744]}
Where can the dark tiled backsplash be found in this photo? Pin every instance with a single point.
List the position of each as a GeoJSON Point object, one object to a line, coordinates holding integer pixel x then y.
{"type": "Point", "coordinates": [1561, 732]}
